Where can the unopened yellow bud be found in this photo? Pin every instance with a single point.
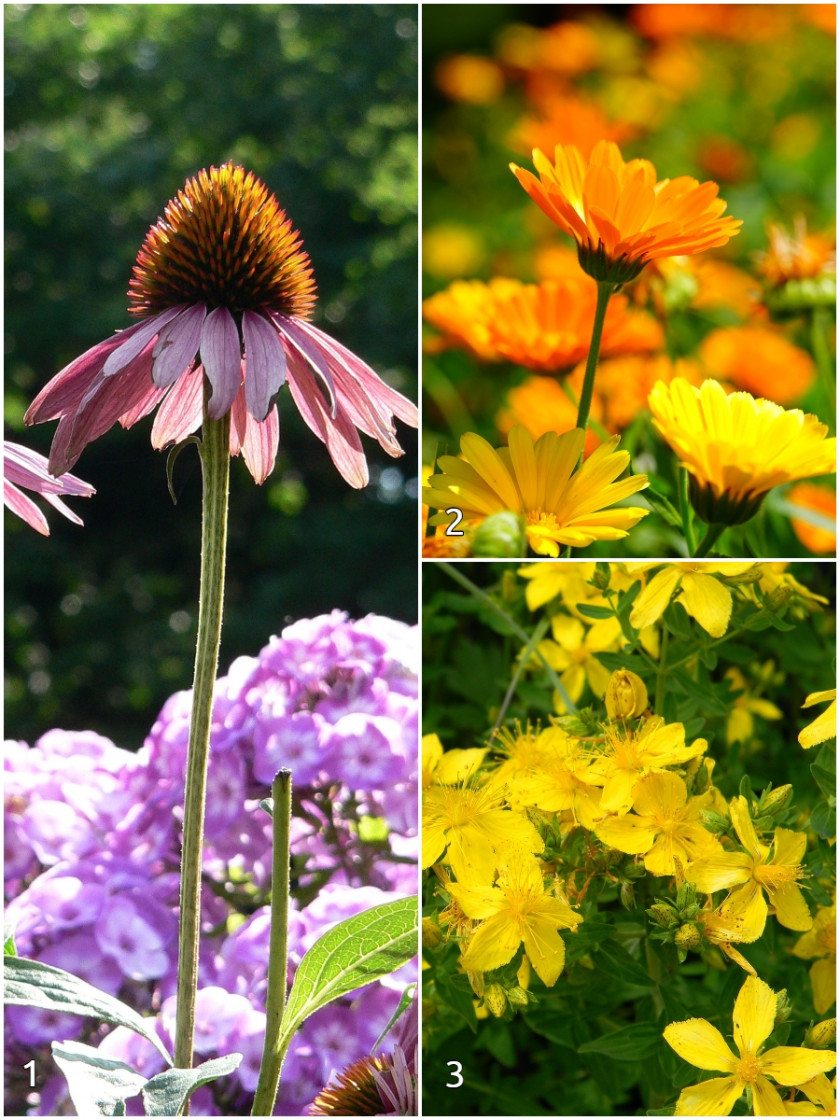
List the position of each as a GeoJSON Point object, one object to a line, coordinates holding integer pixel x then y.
{"type": "Point", "coordinates": [783, 1005]}
{"type": "Point", "coordinates": [626, 695]}
{"type": "Point", "coordinates": [777, 799]}
{"type": "Point", "coordinates": [432, 933]}
{"type": "Point", "coordinates": [495, 1000]}
{"type": "Point", "coordinates": [687, 936]}
{"type": "Point", "coordinates": [822, 1035]}
{"type": "Point", "coordinates": [517, 997]}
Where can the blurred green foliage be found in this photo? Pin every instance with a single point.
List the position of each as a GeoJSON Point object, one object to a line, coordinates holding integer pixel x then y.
{"type": "Point", "coordinates": [109, 109]}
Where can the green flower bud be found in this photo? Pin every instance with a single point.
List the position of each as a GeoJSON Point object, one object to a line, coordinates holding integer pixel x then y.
{"type": "Point", "coordinates": [714, 822]}
{"type": "Point", "coordinates": [687, 936]}
{"type": "Point", "coordinates": [431, 933]}
{"type": "Point", "coordinates": [776, 799]}
{"type": "Point", "coordinates": [495, 1000]}
{"type": "Point", "coordinates": [517, 997]}
{"type": "Point", "coordinates": [783, 1005]}
{"type": "Point", "coordinates": [500, 534]}
{"type": "Point", "coordinates": [628, 896]}
{"type": "Point", "coordinates": [661, 914]}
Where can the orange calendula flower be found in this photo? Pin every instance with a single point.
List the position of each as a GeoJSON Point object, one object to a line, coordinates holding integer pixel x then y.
{"type": "Point", "coordinates": [758, 873]}
{"type": "Point", "coordinates": [619, 214]}
{"type": "Point", "coordinates": [819, 500]}
{"type": "Point", "coordinates": [541, 326]}
{"type": "Point", "coordinates": [665, 823]}
{"type": "Point", "coordinates": [737, 447]}
{"type": "Point", "coordinates": [796, 255]}
{"type": "Point", "coordinates": [561, 505]}
{"type": "Point", "coordinates": [698, 1042]}
{"type": "Point", "coordinates": [760, 360]}
{"type": "Point", "coordinates": [517, 910]}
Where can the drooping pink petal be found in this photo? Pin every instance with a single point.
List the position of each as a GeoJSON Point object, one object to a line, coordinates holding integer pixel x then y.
{"type": "Point", "coordinates": [221, 358]}
{"type": "Point", "coordinates": [24, 507]}
{"type": "Point", "coordinates": [128, 349]}
{"type": "Point", "coordinates": [177, 346]}
{"type": "Point", "coordinates": [259, 447]}
{"type": "Point", "coordinates": [265, 363]}
{"type": "Point", "coordinates": [296, 338]}
{"type": "Point", "coordinates": [63, 392]}
{"type": "Point", "coordinates": [28, 468]}
{"type": "Point", "coordinates": [338, 434]}
{"type": "Point", "coordinates": [180, 413]}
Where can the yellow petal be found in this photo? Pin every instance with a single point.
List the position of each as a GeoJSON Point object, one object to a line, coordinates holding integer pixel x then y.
{"type": "Point", "coordinates": [823, 984]}
{"type": "Point", "coordinates": [432, 752]}
{"type": "Point", "coordinates": [718, 873]}
{"type": "Point", "coordinates": [630, 834]}
{"type": "Point", "coordinates": [739, 811]}
{"type": "Point", "coordinates": [707, 600]}
{"type": "Point", "coordinates": [653, 599]}
{"type": "Point", "coordinates": [481, 455]}
{"type": "Point", "coordinates": [698, 1042]}
{"type": "Point", "coordinates": [766, 1099]}
{"type": "Point", "coordinates": [824, 727]}
{"type": "Point", "coordinates": [755, 1011]}
{"type": "Point", "coordinates": [710, 1098]}
{"type": "Point", "coordinates": [457, 765]}
{"type": "Point", "coordinates": [791, 908]}
{"type": "Point", "coordinates": [492, 945]}
{"type": "Point", "coordinates": [791, 1065]}
{"type": "Point", "coordinates": [545, 949]}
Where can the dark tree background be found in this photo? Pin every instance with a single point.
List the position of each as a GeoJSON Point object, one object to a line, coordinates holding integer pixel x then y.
{"type": "Point", "coordinates": [109, 109]}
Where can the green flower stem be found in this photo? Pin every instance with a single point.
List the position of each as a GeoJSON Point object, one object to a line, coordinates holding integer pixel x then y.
{"type": "Point", "coordinates": [713, 531]}
{"type": "Point", "coordinates": [661, 673]}
{"type": "Point", "coordinates": [596, 425]}
{"type": "Point", "coordinates": [453, 572]}
{"type": "Point", "coordinates": [820, 324]}
{"type": "Point", "coordinates": [605, 290]}
{"type": "Point", "coordinates": [685, 512]}
{"type": "Point", "coordinates": [215, 466]}
{"type": "Point", "coordinates": [275, 1047]}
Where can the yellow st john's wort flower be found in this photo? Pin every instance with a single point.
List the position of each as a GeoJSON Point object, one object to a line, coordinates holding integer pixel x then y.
{"type": "Point", "coordinates": [666, 823]}
{"type": "Point", "coordinates": [738, 447]}
{"type": "Point", "coordinates": [755, 872]}
{"type": "Point", "coordinates": [574, 649]}
{"type": "Point", "coordinates": [821, 941]}
{"type": "Point", "coordinates": [825, 725]}
{"type": "Point", "coordinates": [739, 722]}
{"type": "Point", "coordinates": [631, 754]}
{"type": "Point", "coordinates": [561, 505]}
{"type": "Point", "coordinates": [471, 826]}
{"type": "Point", "coordinates": [448, 768]}
{"type": "Point", "coordinates": [698, 1042]}
{"type": "Point", "coordinates": [545, 581]}
{"type": "Point", "coordinates": [820, 1094]}
{"type": "Point", "coordinates": [517, 910]}
{"type": "Point", "coordinates": [555, 784]}
{"type": "Point", "coordinates": [701, 591]}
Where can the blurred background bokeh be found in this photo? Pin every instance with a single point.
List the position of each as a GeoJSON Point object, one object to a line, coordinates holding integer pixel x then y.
{"type": "Point", "coordinates": [109, 108]}
{"type": "Point", "coordinates": [740, 94]}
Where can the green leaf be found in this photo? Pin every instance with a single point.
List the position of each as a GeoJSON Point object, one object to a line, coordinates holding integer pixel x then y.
{"type": "Point", "coordinates": [33, 984]}
{"type": "Point", "coordinates": [677, 621]}
{"type": "Point", "coordinates": [824, 819]}
{"type": "Point", "coordinates": [97, 1084]}
{"type": "Point", "coordinates": [590, 611]}
{"type": "Point", "coordinates": [9, 949]}
{"type": "Point", "coordinates": [824, 770]}
{"type": "Point", "coordinates": [168, 1092]}
{"type": "Point", "coordinates": [404, 1004]}
{"type": "Point", "coordinates": [627, 1044]}
{"type": "Point", "coordinates": [351, 954]}
{"type": "Point", "coordinates": [663, 507]}
{"type": "Point", "coordinates": [614, 959]}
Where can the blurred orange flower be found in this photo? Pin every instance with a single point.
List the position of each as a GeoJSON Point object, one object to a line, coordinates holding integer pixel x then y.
{"type": "Point", "coordinates": [619, 214]}
{"type": "Point", "coordinates": [540, 405]}
{"type": "Point", "coordinates": [544, 326]}
{"type": "Point", "coordinates": [569, 47]}
{"type": "Point", "coordinates": [748, 22]}
{"type": "Point", "coordinates": [820, 500]}
{"type": "Point", "coordinates": [471, 78]}
{"type": "Point", "coordinates": [796, 255]}
{"type": "Point", "coordinates": [760, 360]}
{"type": "Point", "coordinates": [568, 120]}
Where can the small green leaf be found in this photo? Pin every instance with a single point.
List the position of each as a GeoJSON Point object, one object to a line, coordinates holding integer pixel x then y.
{"type": "Point", "coordinates": [33, 984]}
{"type": "Point", "coordinates": [97, 1084]}
{"type": "Point", "coordinates": [351, 954]}
{"type": "Point", "coordinates": [663, 507]}
{"type": "Point", "coordinates": [824, 770]}
{"type": "Point", "coordinates": [9, 949]}
{"type": "Point", "coordinates": [590, 611]}
{"type": "Point", "coordinates": [168, 1092]}
{"type": "Point", "coordinates": [615, 960]}
{"type": "Point", "coordinates": [824, 819]}
{"type": "Point", "coordinates": [627, 1044]}
{"type": "Point", "coordinates": [404, 1004]}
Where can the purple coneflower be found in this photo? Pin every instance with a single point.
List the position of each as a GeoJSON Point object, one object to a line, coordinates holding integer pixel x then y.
{"type": "Point", "coordinates": [224, 288]}
{"type": "Point", "coordinates": [22, 467]}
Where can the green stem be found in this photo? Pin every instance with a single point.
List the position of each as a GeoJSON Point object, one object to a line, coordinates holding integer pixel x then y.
{"type": "Point", "coordinates": [661, 673]}
{"type": "Point", "coordinates": [685, 512]}
{"type": "Point", "coordinates": [707, 544]}
{"type": "Point", "coordinates": [215, 465]}
{"type": "Point", "coordinates": [274, 1050]}
{"type": "Point", "coordinates": [605, 290]}
{"type": "Point", "coordinates": [825, 367]}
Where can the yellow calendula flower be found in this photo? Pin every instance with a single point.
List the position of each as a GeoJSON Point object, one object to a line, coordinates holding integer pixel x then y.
{"type": "Point", "coordinates": [517, 910]}
{"type": "Point", "coordinates": [561, 503]}
{"type": "Point", "coordinates": [471, 827]}
{"type": "Point", "coordinates": [629, 754]}
{"type": "Point", "coordinates": [665, 823]}
{"type": "Point", "coordinates": [756, 872]}
{"type": "Point", "coordinates": [448, 768]}
{"type": "Point", "coordinates": [821, 941]}
{"type": "Point", "coordinates": [825, 725]}
{"type": "Point", "coordinates": [700, 588]}
{"type": "Point", "coordinates": [701, 1044]}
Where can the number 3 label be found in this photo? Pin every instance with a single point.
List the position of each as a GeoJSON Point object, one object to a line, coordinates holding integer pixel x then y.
{"type": "Point", "coordinates": [452, 531]}
{"type": "Point", "coordinates": [457, 1076]}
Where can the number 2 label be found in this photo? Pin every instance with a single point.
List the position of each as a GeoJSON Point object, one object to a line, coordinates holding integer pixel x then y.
{"type": "Point", "coordinates": [452, 531]}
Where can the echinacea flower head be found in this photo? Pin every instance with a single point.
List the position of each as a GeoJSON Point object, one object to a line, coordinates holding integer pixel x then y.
{"type": "Point", "coordinates": [561, 505]}
{"type": "Point", "coordinates": [28, 469]}
{"type": "Point", "coordinates": [738, 447]}
{"type": "Point", "coordinates": [701, 1044]}
{"type": "Point", "coordinates": [620, 216]}
{"type": "Point", "coordinates": [517, 910]}
{"type": "Point", "coordinates": [224, 290]}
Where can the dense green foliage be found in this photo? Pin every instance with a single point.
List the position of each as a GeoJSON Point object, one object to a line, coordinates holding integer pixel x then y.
{"type": "Point", "coordinates": [109, 108]}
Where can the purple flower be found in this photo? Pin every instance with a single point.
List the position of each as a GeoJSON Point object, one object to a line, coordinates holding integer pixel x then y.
{"type": "Point", "coordinates": [364, 751]}
{"type": "Point", "coordinates": [22, 467]}
{"type": "Point", "coordinates": [298, 741]}
{"type": "Point", "coordinates": [224, 288]}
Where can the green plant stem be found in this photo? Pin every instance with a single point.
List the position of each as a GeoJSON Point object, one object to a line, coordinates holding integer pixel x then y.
{"type": "Point", "coordinates": [820, 324]}
{"type": "Point", "coordinates": [661, 673]}
{"type": "Point", "coordinates": [597, 427]}
{"type": "Point", "coordinates": [685, 512]}
{"type": "Point", "coordinates": [605, 290]}
{"type": "Point", "coordinates": [215, 467]}
{"type": "Point", "coordinates": [708, 542]}
{"type": "Point", "coordinates": [274, 1049]}
{"type": "Point", "coordinates": [453, 573]}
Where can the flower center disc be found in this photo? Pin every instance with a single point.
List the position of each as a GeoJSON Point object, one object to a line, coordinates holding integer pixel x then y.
{"type": "Point", "coordinates": [223, 241]}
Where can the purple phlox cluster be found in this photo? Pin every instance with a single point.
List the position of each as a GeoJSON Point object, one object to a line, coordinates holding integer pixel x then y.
{"type": "Point", "coordinates": [93, 849]}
